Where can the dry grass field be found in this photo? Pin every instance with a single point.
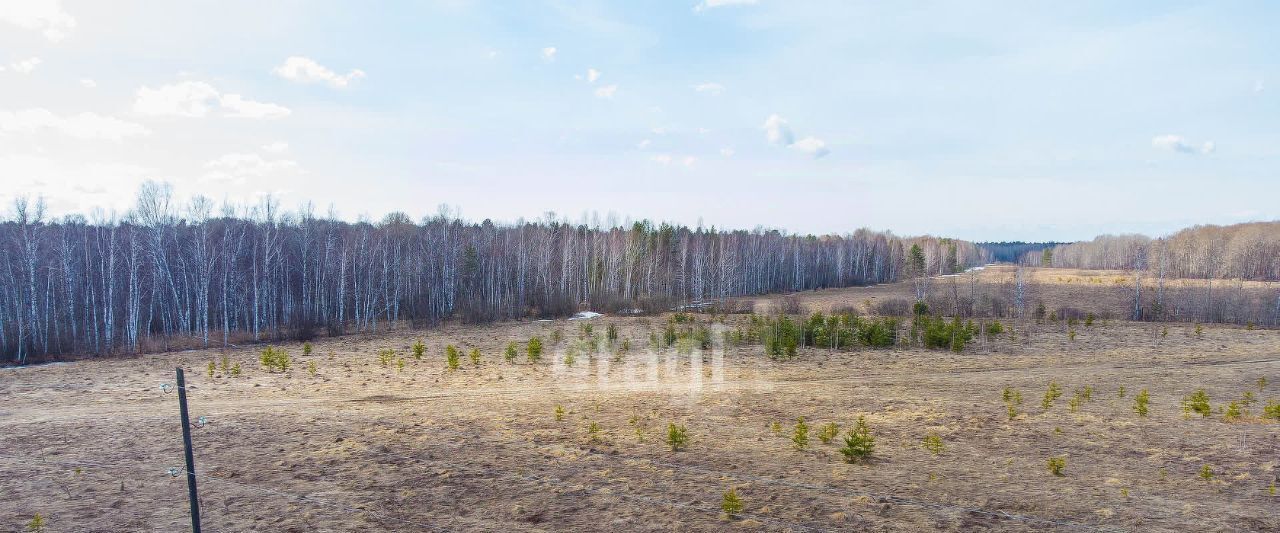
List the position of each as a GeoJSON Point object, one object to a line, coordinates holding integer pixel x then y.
{"type": "Point", "coordinates": [359, 446]}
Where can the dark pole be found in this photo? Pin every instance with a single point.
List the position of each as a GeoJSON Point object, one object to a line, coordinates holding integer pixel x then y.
{"type": "Point", "coordinates": [191, 462]}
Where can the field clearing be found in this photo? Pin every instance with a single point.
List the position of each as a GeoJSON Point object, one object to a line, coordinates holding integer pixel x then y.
{"type": "Point", "coordinates": [361, 446]}
{"type": "Point", "coordinates": [1108, 293]}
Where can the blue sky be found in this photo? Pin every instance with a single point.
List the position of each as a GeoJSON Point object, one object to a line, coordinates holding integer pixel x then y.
{"type": "Point", "coordinates": [981, 120]}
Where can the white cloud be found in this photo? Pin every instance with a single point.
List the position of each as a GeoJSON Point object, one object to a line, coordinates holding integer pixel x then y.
{"type": "Point", "coordinates": [70, 185]}
{"type": "Point", "coordinates": [607, 91]}
{"type": "Point", "coordinates": [493, 54]}
{"type": "Point", "coordinates": [81, 126]}
{"type": "Point", "coordinates": [237, 168]}
{"type": "Point", "coordinates": [644, 144]}
{"type": "Point", "coordinates": [711, 88]}
{"type": "Point", "coordinates": [592, 75]}
{"type": "Point", "coordinates": [1180, 144]}
{"type": "Point", "coordinates": [45, 16]}
{"type": "Point", "coordinates": [183, 99]}
{"type": "Point", "coordinates": [26, 65]}
{"type": "Point", "coordinates": [777, 131]}
{"type": "Point", "coordinates": [812, 146]}
{"type": "Point", "coordinates": [88, 83]}
{"type": "Point", "coordinates": [1258, 86]}
{"type": "Point", "coordinates": [668, 159]}
{"type": "Point", "coordinates": [236, 106]}
{"type": "Point", "coordinates": [307, 70]}
{"type": "Point", "coordinates": [711, 4]}
{"type": "Point", "coordinates": [549, 53]}
{"type": "Point", "coordinates": [196, 99]}
{"type": "Point", "coordinates": [726, 152]}
{"type": "Point", "coordinates": [276, 147]}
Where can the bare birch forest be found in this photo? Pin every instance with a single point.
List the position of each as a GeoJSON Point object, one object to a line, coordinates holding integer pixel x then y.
{"type": "Point", "coordinates": [173, 274]}
{"type": "Point", "coordinates": [1203, 273]}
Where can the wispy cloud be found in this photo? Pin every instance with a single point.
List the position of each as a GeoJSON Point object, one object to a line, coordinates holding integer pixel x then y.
{"type": "Point", "coordinates": [606, 91]}
{"type": "Point", "coordinates": [26, 65]}
{"type": "Point", "coordinates": [81, 126]}
{"type": "Point", "coordinates": [1180, 144]}
{"type": "Point", "coordinates": [45, 16]}
{"type": "Point", "coordinates": [237, 168]}
{"type": "Point", "coordinates": [711, 88]}
{"type": "Point", "coordinates": [196, 99]}
{"type": "Point", "coordinates": [276, 147]}
{"type": "Point", "coordinates": [549, 53]}
{"type": "Point", "coordinates": [307, 70]}
{"type": "Point", "coordinates": [812, 146]}
{"type": "Point", "coordinates": [712, 4]}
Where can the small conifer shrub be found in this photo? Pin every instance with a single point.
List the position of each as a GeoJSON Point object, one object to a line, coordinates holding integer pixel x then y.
{"type": "Point", "coordinates": [1206, 473]}
{"type": "Point", "coordinates": [801, 435]}
{"type": "Point", "coordinates": [1052, 393]}
{"type": "Point", "coordinates": [510, 353]}
{"type": "Point", "coordinates": [1198, 402]}
{"type": "Point", "coordinates": [677, 437]}
{"type": "Point", "coordinates": [274, 359]}
{"type": "Point", "coordinates": [731, 504]}
{"type": "Point", "coordinates": [419, 349]}
{"type": "Point", "coordinates": [933, 443]}
{"type": "Point", "coordinates": [452, 356]}
{"type": "Point", "coordinates": [36, 524]}
{"type": "Point", "coordinates": [534, 349]}
{"type": "Point", "coordinates": [1140, 402]}
{"type": "Point", "coordinates": [828, 432]}
{"type": "Point", "coordinates": [1057, 465]}
{"type": "Point", "coordinates": [860, 443]}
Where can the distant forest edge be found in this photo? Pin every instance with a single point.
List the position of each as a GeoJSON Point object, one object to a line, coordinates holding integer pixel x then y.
{"type": "Point", "coordinates": [1249, 251]}
{"type": "Point", "coordinates": [173, 274]}
{"type": "Point", "coordinates": [1012, 252]}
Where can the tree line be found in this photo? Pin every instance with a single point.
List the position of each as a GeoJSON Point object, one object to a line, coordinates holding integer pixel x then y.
{"type": "Point", "coordinates": [170, 273]}
{"type": "Point", "coordinates": [1237, 253]}
{"type": "Point", "coordinates": [1249, 251]}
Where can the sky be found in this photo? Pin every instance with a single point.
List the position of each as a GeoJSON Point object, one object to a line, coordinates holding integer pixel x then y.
{"type": "Point", "coordinates": [971, 119]}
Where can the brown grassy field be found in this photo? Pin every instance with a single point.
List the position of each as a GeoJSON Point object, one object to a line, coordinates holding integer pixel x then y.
{"type": "Point", "coordinates": [360, 446]}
